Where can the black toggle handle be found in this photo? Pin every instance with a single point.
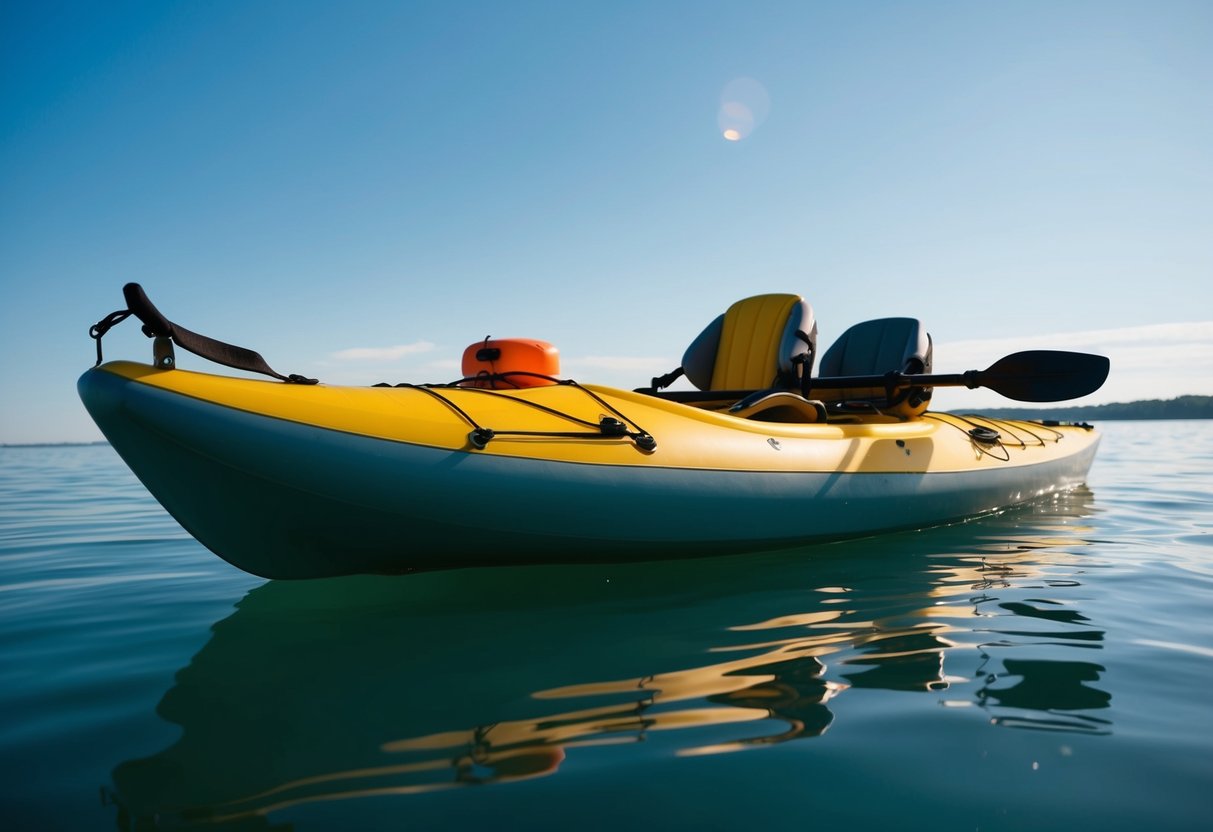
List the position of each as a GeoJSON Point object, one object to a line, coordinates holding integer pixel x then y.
{"type": "Point", "coordinates": [154, 323]}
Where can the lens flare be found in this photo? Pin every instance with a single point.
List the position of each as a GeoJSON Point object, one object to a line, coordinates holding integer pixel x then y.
{"type": "Point", "coordinates": [744, 105]}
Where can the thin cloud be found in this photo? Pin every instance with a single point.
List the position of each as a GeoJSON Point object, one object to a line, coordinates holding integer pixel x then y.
{"type": "Point", "coordinates": [1157, 361]}
{"type": "Point", "coordinates": [1186, 334]}
{"type": "Point", "coordinates": [622, 363]}
{"type": "Point", "coordinates": [383, 353]}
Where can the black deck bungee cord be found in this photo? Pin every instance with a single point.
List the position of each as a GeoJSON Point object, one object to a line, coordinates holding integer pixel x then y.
{"type": "Point", "coordinates": [1009, 425]}
{"type": "Point", "coordinates": [614, 426]}
{"type": "Point", "coordinates": [987, 436]}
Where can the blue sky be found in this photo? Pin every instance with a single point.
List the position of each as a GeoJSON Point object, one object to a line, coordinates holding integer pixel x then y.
{"type": "Point", "coordinates": [359, 190]}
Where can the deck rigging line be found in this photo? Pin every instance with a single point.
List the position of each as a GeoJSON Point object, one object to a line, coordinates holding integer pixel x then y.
{"type": "Point", "coordinates": [613, 426]}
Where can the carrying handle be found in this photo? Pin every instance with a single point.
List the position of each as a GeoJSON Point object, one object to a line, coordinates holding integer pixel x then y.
{"type": "Point", "coordinates": [155, 325]}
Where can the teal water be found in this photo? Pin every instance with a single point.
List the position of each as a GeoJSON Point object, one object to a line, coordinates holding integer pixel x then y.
{"type": "Point", "coordinates": [1046, 668]}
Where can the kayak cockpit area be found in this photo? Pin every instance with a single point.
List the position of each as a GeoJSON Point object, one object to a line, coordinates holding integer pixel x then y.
{"type": "Point", "coordinates": [756, 361]}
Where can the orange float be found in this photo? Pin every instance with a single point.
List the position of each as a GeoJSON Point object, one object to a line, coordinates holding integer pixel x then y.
{"type": "Point", "coordinates": [510, 363]}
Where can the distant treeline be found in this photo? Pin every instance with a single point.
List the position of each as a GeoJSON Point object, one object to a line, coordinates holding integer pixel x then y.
{"type": "Point", "coordinates": [1184, 407]}
{"type": "Point", "coordinates": [51, 444]}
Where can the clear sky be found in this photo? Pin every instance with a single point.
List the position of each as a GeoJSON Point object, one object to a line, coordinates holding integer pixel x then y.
{"type": "Point", "coordinates": [359, 190]}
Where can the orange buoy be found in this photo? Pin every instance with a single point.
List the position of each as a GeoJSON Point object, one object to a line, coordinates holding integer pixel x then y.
{"type": "Point", "coordinates": [508, 363]}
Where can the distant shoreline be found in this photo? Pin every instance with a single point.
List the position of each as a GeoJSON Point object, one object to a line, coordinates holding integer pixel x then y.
{"type": "Point", "coordinates": [1183, 407]}
{"type": "Point", "coordinates": [52, 444]}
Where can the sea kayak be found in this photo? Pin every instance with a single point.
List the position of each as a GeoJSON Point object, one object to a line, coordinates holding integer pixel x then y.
{"type": "Point", "coordinates": [302, 480]}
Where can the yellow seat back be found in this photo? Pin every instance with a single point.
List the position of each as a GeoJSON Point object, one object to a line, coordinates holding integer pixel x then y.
{"type": "Point", "coordinates": [754, 345]}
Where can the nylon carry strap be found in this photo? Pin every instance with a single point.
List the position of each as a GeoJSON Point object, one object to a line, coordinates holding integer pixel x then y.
{"type": "Point", "coordinates": [155, 325]}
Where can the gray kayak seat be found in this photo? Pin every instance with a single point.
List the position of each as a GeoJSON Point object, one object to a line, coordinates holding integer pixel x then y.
{"type": "Point", "coordinates": [877, 347]}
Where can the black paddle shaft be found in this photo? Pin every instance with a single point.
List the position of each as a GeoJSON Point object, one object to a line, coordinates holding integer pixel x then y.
{"type": "Point", "coordinates": [1029, 376]}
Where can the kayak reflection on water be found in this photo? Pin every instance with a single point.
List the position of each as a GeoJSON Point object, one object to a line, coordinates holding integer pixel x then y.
{"type": "Point", "coordinates": [361, 687]}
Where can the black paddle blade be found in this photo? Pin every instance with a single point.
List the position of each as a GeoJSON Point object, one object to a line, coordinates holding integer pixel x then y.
{"type": "Point", "coordinates": [1046, 375]}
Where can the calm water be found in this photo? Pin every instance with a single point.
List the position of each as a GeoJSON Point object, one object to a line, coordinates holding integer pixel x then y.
{"type": "Point", "coordinates": [1048, 668]}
